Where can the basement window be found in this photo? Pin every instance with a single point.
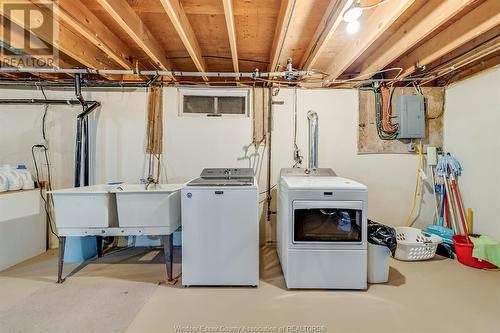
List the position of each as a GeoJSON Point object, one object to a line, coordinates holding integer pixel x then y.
{"type": "Point", "coordinates": [213, 102]}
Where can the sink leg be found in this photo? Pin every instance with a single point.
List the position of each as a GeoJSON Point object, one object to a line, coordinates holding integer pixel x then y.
{"type": "Point", "coordinates": [168, 252]}
{"type": "Point", "coordinates": [60, 263]}
{"type": "Point", "coordinates": [98, 241]}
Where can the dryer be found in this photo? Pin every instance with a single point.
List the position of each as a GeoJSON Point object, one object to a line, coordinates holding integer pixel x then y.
{"type": "Point", "coordinates": [220, 228]}
{"type": "Point", "coordinates": [322, 230]}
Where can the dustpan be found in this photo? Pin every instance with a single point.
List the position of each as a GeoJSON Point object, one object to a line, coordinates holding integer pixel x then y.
{"type": "Point", "coordinates": [439, 230]}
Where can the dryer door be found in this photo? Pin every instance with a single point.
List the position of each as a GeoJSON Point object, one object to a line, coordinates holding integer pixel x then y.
{"type": "Point", "coordinates": [327, 222]}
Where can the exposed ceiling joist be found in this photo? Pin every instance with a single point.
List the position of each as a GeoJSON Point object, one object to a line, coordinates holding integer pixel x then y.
{"type": "Point", "coordinates": [284, 18]}
{"type": "Point", "coordinates": [371, 29]}
{"type": "Point", "coordinates": [329, 23]}
{"type": "Point", "coordinates": [80, 18]}
{"type": "Point", "coordinates": [476, 22]}
{"type": "Point", "coordinates": [231, 32]}
{"type": "Point", "coordinates": [129, 21]}
{"type": "Point", "coordinates": [181, 24]}
{"type": "Point", "coordinates": [17, 36]}
{"type": "Point", "coordinates": [66, 41]}
{"type": "Point", "coordinates": [430, 17]}
{"type": "Point", "coordinates": [473, 69]}
{"type": "Point", "coordinates": [483, 51]}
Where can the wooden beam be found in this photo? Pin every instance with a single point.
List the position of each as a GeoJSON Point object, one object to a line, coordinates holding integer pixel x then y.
{"type": "Point", "coordinates": [328, 25]}
{"type": "Point", "coordinates": [231, 32]}
{"type": "Point", "coordinates": [371, 29]}
{"type": "Point", "coordinates": [284, 18]}
{"type": "Point", "coordinates": [129, 21]}
{"type": "Point", "coordinates": [483, 64]}
{"type": "Point", "coordinates": [484, 50]}
{"type": "Point", "coordinates": [430, 17]}
{"type": "Point", "coordinates": [476, 22]}
{"type": "Point", "coordinates": [179, 20]}
{"type": "Point", "coordinates": [76, 15]}
{"type": "Point", "coordinates": [65, 40]}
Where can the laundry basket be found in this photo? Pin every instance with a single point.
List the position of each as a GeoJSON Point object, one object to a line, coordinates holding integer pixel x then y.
{"type": "Point", "coordinates": [415, 244]}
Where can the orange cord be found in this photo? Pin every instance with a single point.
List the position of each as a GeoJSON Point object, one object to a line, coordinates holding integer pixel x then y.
{"type": "Point", "coordinates": [387, 124]}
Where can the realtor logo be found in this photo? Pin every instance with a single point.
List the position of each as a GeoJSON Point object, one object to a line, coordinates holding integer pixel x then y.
{"type": "Point", "coordinates": [29, 33]}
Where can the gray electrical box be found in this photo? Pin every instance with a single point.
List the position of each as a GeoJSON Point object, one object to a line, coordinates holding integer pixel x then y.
{"type": "Point", "coordinates": [411, 116]}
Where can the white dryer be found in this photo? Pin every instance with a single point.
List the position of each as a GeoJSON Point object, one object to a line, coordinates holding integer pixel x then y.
{"type": "Point", "coordinates": [321, 231]}
{"type": "Point", "coordinates": [220, 229]}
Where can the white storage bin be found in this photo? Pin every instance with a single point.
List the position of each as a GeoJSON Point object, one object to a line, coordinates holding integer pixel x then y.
{"type": "Point", "coordinates": [378, 263]}
{"type": "Point", "coordinates": [85, 207]}
{"type": "Point", "coordinates": [159, 206]}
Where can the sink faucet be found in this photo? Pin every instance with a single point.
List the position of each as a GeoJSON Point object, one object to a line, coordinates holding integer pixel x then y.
{"type": "Point", "coordinates": [147, 182]}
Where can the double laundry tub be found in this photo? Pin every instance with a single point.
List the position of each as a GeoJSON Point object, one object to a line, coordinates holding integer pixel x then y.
{"type": "Point", "coordinates": [85, 210]}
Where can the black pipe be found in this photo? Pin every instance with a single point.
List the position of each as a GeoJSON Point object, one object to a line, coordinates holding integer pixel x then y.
{"type": "Point", "coordinates": [86, 161]}
{"type": "Point", "coordinates": [82, 138]}
{"type": "Point", "coordinates": [40, 101]}
{"type": "Point", "coordinates": [152, 80]}
{"type": "Point", "coordinates": [78, 152]}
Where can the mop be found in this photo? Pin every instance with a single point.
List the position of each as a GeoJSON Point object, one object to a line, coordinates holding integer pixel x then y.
{"type": "Point", "coordinates": [438, 229]}
{"type": "Point", "coordinates": [449, 168]}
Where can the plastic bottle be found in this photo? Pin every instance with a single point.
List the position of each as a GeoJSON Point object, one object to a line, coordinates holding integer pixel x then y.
{"type": "Point", "coordinates": [28, 183]}
{"type": "Point", "coordinates": [14, 178]}
{"type": "Point", "coordinates": [4, 182]}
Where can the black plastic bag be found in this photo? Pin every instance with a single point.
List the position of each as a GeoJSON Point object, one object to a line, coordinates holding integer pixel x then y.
{"type": "Point", "coordinates": [446, 250]}
{"type": "Point", "coordinates": [380, 234]}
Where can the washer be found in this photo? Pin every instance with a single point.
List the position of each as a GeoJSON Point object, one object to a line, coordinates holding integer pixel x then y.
{"type": "Point", "coordinates": [220, 229]}
{"type": "Point", "coordinates": [321, 231]}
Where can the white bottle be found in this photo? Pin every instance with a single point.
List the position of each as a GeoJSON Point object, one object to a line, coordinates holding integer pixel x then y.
{"type": "Point", "coordinates": [28, 183]}
{"type": "Point", "coordinates": [4, 182]}
{"type": "Point", "coordinates": [13, 177]}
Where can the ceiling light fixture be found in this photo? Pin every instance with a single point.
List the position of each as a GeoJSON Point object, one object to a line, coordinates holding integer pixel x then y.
{"type": "Point", "coordinates": [352, 27]}
{"type": "Point", "coordinates": [354, 12]}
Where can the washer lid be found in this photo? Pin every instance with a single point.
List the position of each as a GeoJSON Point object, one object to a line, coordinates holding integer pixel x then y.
{"type": "Point", "coordinates": [221, 182]}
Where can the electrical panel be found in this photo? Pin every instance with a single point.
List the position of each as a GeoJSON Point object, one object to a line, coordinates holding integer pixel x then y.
{"type": "Point", "coordinates": [411, 116]}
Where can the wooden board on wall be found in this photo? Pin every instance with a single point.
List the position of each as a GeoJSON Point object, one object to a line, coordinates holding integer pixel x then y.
{"type": "Point", "coordinates": [368, 139]}
{"type": "Point", "coordinates": [260, 114]}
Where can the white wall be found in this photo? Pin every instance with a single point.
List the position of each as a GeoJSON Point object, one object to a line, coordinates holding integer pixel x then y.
{"type": "Point", "coordinates": [472, 134]}
{"type": "Point", "coordinates": [192, 143]}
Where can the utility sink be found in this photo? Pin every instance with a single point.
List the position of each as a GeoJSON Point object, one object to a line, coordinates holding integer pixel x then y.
{"type": "Point", "coordinates": [157, 206]}
{"type": "Point", "coordinates": [85, 207]}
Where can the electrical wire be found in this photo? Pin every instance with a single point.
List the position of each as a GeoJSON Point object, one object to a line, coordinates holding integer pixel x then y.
{"type": "Point", "coordinates": [399, 69]}
{"type": "Point", "coordinates": [417, 183]}
{"type": "Point", "coordinates": [374, 5]}
{"type": "Point", "coordinates": [48, 200]}
{"type": "Point", "coordinates": [272, 187]}
{"type": "Point", "coordinates": [49, 186]}
{"type": "Point", "coordinates": [297, 157]}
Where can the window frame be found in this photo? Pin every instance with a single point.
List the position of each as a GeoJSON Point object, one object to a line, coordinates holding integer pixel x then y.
{"type": "Point", "coordinates": [215, 93]}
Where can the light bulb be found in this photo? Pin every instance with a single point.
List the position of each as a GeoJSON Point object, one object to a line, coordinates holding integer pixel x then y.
{"type": "Point", "coordinates": [352, 14]}
{"type": "Point", "coordinates": [352, 27]}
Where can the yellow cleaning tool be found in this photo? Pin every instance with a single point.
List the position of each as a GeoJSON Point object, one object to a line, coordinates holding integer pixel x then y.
{"type": "Point", "coordinates": [420, 149]}
{"type": "Point", "coordinates": [469, 220]}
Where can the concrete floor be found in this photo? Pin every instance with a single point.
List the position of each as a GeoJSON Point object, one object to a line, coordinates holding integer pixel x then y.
{"type": "Point", "coordinates": [122, 293]}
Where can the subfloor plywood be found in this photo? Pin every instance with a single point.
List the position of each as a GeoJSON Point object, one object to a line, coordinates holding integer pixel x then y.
{"type": "Point", "coordinates": [368, 139]}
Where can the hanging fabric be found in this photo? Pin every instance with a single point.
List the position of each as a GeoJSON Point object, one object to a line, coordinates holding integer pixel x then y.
{"type": "Point", "coordinates": [154, 133]}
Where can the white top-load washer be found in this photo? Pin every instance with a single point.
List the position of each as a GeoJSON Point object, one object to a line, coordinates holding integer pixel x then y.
{"type": "Point", "coordinates": [321, 231]}
{"type": "Point", "coordinates": [220, 229]}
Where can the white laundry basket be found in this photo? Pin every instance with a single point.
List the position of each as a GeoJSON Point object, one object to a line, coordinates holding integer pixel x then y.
{"type": "Point", "coordinates": [415, 244]}
{"type": "Point", "coordinates": [378, 263]}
